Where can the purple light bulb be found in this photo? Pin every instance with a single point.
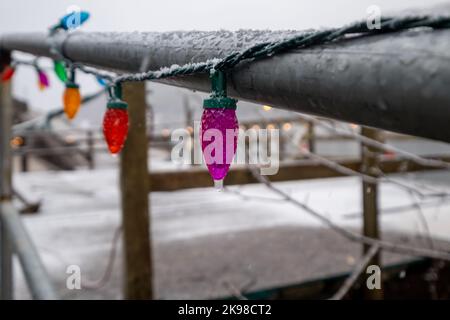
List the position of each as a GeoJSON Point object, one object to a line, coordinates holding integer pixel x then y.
{"type": "Point", "coordinates": [218, 133]}
{"type": "Point", "coordinates": [43, 79]}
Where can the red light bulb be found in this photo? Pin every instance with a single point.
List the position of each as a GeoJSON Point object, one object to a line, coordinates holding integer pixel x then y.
{"type": "Point", "coordinates": [8, 73]}
{"type": "Point", "coordinates": [115, 125]}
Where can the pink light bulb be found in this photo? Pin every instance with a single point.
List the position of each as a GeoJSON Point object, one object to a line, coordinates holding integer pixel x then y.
{"type": "Point", "coordinates": [218, 133]}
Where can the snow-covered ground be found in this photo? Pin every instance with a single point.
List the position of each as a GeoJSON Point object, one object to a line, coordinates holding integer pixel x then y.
{"type": "Point", "coordinates": [80, 211]}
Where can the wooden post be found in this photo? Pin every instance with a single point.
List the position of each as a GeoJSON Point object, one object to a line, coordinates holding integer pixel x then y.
{"type": "Point", "coordinates": [24, 156]}
{"type": "Point", "coordinates": [135, 199]}
{"type": "Point", "coordinates": [189, 123]}
{"type": "Point", "coordinates": [311, 137]}
{"type": "Point", "coordinates": [6, 271]}
{"type": "Point", "coordinates": [369, 161]}
{"type": "Point", "coordinates": [90, 149]}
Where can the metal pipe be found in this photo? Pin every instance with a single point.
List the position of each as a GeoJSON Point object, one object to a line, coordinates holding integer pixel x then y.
{"type": "Point", "coordinates": [397, 82]}
{"type": "Point", "coordinates": [37, 278]}
{"type": "Point", "coordinates": [13, 236]}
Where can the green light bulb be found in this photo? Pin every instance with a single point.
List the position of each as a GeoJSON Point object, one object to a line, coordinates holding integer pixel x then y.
{"type": "Point", "coordinates": [60, 71]}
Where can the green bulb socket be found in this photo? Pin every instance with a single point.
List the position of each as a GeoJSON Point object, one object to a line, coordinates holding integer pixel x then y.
{"type": "Point", "coordinates": [72, 85]}
{"type": "Point", "coordinates": [218, 98]}
{"type": "Point", "coordinates": [117, 104]}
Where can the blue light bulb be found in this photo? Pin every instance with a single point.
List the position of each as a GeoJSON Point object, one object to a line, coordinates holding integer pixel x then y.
{"type": "Point", "coordinates": [101, 81]}
{"type": "Point", "coordinates": [73, 20]}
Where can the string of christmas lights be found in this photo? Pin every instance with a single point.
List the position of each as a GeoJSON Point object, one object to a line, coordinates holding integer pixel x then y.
{"type": "Point", "coordinates": [219, 110]}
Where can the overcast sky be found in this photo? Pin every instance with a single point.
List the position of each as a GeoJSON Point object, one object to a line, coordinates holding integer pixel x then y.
{"type": "Point", "coordinates": [144, 15]}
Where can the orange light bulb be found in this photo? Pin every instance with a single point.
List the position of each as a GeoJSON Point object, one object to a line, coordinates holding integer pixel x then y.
{"type": "Point", "coordinates": [71, 100]}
